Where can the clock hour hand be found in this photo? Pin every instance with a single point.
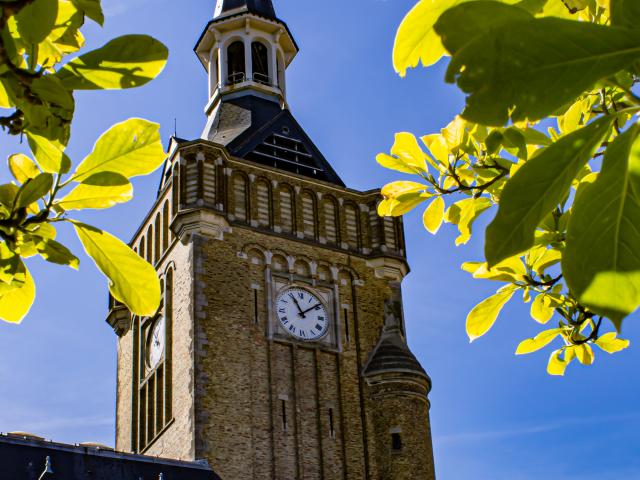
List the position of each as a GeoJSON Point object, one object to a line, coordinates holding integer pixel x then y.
{"type": "Point", "coordinates": [312, 308]}
{"type": "Point", "coordinates": [297, 305]}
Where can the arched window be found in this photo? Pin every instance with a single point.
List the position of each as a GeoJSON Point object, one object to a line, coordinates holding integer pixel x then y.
{"type": "Point", "coordinates": [260, 62]}
{"type": "Point", "coordinates": [236, 72]}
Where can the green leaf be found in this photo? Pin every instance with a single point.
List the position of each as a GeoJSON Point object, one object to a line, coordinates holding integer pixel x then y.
{"type": "Point", "coordinates": [91, 8]}
{"type": "Point", "coordinates": [57, 253]}
{"type": "Point", "coordinates": [33, 190]}
{"type": "Point", "coordinates": [132, 281]}
{"type": "Point", "coordinates": [23, 168]}
{"type": "Point", "coordinates": [510, 270]}
{"type": "Point", "coordinates": [539, 342]}
{"type": "Point", "coordinates": [461, 24]}
{"type": "Point", "coordinates": [13, 273]}
{"type": "Point", "coordinates": [416, 40]}
{"type": "Point", "coordinates": [610, 343]}
{"type": "Point", "coordinates": [510, 70]}
{"type": "Point", "coordinates": [36, 20]}
{"type": "Point", "coordinates": [484, 315]}
{"type": "Point", "coordinates": [102, 190]}
{"type": "Point", "coordinates": [601, 262]}
{"type": "Point", "coordinates": [49, 154]}
{"type": "Point", "coordinates": [130, 148]}
{"type": "Point", "coordinates": [625, 13]}
{"type": "Point", "coordinates": [15, 304]}
{"type": "Point", "coordinates": [537, 188]}
{"type": "Point", "coordinates": [125, 62]}
{"type": "Point", "coordinates": [434, 215]}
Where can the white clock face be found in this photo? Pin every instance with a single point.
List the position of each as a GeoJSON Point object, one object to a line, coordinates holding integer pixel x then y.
{"type": "Point", "coordinates": [155, 343]}
{"type": "Point", "coordinates": [302, 314]}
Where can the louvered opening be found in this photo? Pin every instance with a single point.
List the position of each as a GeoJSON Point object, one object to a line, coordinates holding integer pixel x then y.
{"type": "Point", "coordinates": [287, 154]}
{"type": "Point", "coordinates": [330, 221]}
{"type": "Point", "coordinates": [192, 183]}
{"type": "Point", "coordinates": [390, 233]}
{"type": "Point", "coordinates": [209, 183]}
{"type": "Point", "coordinates": [240, 198]}
{"type": "Point", "coordinates": [286, 211]}
{"type": "Point", "coordinates": [308, 216]}
{"type": "Point", "coordinates": [374, 220]}
{"type": "Point", "coordinates": [262, 193]}
{"type": "Point", "coordinates": [351, 220]}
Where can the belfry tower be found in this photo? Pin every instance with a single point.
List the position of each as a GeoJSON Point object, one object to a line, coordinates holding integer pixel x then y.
{"type": "Point", "coordinates": [279, 351]}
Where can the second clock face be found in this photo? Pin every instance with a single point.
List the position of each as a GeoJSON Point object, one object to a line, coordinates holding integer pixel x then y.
{"type": "Point", "coordinates": [302, 314]}
{"type": "Point", "coordinates": [155, 344]}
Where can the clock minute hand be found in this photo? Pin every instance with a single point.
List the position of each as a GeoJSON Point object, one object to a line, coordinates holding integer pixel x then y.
{"type": "Point", "coordinates": [297, 304]}
{"type": "Point", "coordinates": [312, 308]}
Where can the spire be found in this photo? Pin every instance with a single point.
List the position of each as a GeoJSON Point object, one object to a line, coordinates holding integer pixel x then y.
{"type": "Point", "coordinates": [264, 8]}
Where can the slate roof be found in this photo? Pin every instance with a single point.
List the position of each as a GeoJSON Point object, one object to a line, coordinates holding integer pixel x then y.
{"type": "Point", "coordinates": [25, 458]}
{"type": "Point", "coordinates": [264, 8]}
{"type": "Point", "coordinates": [262, 131]}
{"type": "Point", "coordinates": [393, 355]}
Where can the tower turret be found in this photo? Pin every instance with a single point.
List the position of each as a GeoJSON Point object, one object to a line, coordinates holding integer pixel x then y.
{"type": "Point", "coordinates": [399, 389]}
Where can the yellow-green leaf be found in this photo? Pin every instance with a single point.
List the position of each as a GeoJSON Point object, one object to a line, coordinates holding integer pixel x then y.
{"type": "Point", "coordinates": [464, 213]}
{"type": "Point", "coordinates": [102, 190]}
{"type": "Point", "coordinates": [558, 366]}
{"type": "Point", "coordinates": [15, 304]}
{"type": "Point", "coordinates": [125, 62]}
{"type": "Point", "coordinates": [610, 343]}
{"type": "Point", "coordinates": [130, 148]}
{"type": "Point", "coordinates": [49, 154]}
{"type": "Point", "coordinates": [406, 155]}
{"type": "Point", "coordinates": [36, 20]}
{"type": "Point", "coordinates": [484, 315]}
{"type": "Point", "coordinates": [23, 168]}
{"type": "Point", "coordinates": [434, 215]}
{"type": "Point", "coordinates": [33, 190]}
{"type": "Point", "coordinates": [584, 354]}
{"type": "Point", "coordinates": [538, 342]}
{"type": "Point", "coordinates": [132, 281]}
{"type": "Point", "coordinates": [57, 253]}
{"type": "Point", "coordinates": [416, 40]}
{"type": "Point", "coordinates": [510, 270]}
{"type": "Point", "coordinates": [542, 309]}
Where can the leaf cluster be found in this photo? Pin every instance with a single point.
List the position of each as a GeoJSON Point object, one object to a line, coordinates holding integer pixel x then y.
{"type": "Point", "coordinates": [566, 200]}
{"type": "Point", "coordinates": [37, 87]}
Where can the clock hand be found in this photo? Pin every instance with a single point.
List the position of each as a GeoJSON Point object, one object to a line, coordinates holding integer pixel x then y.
{"type": "Point", "coordinates": [297, 305]}
{"type": "Point", "coordinates": [312, 308]}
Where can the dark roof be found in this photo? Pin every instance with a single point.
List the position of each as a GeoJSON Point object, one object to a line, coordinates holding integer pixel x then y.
{"type": "Point", "coordinates": [25, 458]}
{"type": "Point", "coordinates": [263, 8]}
{"type": "Point", "coordinates": [393, 355]}
{"type": "Point", "coordinates": [262, 131]}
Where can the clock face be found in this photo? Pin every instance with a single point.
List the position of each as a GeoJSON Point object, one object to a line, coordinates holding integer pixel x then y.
{"type": "Point", "coordinates": [155, 343]}
{"type": "Point", "coordinates": [302, 314]}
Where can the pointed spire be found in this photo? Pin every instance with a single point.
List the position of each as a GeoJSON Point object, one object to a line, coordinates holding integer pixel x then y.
{"type": "Point", "coordinates": [263, 8]}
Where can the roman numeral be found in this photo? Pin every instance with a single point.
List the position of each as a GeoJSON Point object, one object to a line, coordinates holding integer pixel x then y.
{"type": "Point", "coordinates": [282, 310]}
{"type": "Point", "coordinates": [319, 327]}
{"type": "Point", "coordinates": [301, 295]}
{"type": "Point", "coordinates": [292, 328]}
{"type": "Point", "coordinates": [284, 320]}
{"type": "Point", "coordinates": [303, 334]}
{"type": "Point", "coordinates": [321, 319]}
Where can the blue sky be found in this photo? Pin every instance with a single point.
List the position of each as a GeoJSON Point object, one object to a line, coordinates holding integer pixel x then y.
{"type": "Point", "coordinates": [494, 416]}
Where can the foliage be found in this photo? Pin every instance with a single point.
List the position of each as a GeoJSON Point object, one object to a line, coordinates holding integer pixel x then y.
{"type": "Point", "coordinates": [566, 231]}
{"type": "Point", "coordinates": [37, 86]}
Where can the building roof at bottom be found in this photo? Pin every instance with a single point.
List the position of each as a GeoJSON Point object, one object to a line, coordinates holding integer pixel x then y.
{"type": "Point", "coordinates": [25, 458]}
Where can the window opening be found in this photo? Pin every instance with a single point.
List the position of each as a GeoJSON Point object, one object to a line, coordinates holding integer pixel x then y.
{"type": "Point", "coordinates": [260, 63]}
{"type": "Point", "coordinates": [236, 63]}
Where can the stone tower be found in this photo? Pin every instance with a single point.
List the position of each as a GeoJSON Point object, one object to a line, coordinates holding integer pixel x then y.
{"type": "Point", "coordinates": [279, 351]}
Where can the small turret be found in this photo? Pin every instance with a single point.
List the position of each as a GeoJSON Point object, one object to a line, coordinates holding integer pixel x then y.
{"type": "Point", "coordinates": [399, 389]}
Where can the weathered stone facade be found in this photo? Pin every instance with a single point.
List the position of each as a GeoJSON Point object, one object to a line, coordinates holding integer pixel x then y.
{"type": "Point", "coordinates": [255, 403]}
